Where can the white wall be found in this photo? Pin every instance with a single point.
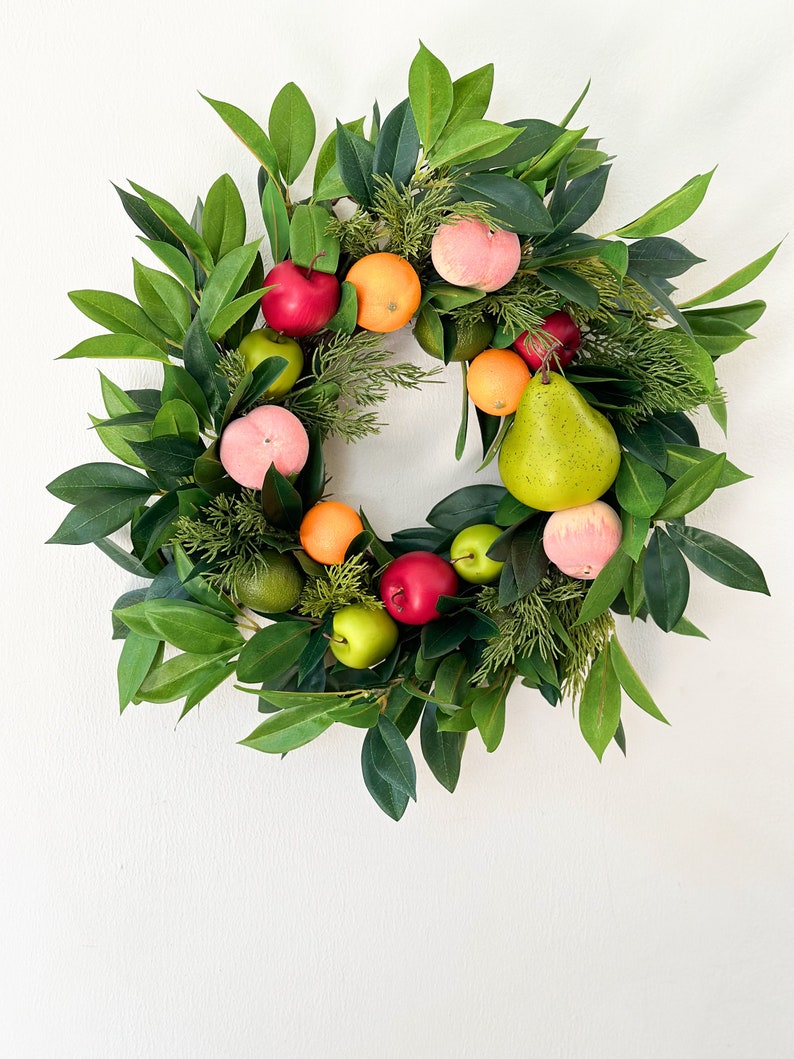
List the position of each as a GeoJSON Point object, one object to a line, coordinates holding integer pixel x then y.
{"type": "Point", "coordinates": [169, 893]}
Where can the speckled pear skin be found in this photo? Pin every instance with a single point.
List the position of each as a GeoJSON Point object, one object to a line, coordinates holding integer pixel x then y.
{"type": "Point", "coordinates": [559, 452]}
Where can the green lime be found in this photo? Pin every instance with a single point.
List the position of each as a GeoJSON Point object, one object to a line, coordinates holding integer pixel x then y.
{"type": "Point", "coordinates": [465, 339]}
{"type": "Point", "coordinates": [271, 584]}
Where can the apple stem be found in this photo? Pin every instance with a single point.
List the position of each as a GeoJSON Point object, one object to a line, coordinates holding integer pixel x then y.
{"type": "Point", "coordinates": [334, 639]}
{"type": "Point", "coordinates": [399, 594]}
{"type": "Point", "coordinates": [320, 253]}
{"type": "Point", "coordinates": [469, 556]}
{"type": "Point", "coordinates": [544, 368]}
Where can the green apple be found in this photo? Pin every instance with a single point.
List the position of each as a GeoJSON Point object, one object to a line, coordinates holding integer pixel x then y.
{"type": "Point", "coordinates": [362, 637]}
{"type": "Point", "coordinates": [468, 554]}
{"type": "Point", "coordinates": [266, 342]}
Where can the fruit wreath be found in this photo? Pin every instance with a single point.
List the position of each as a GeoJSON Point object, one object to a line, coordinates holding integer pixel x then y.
{"type": "Point", "coordinates": [581, 371]}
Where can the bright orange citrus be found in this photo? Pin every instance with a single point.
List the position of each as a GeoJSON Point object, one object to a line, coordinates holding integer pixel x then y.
{"type": "Point", "coordinates": [496, 379]}
{"type": "Point", "coordinates": [388, 291]}
{"type": "Point", "coordinates": [327, 529]}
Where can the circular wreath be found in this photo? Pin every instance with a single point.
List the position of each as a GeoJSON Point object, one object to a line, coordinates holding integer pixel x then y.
{"type": "Point", "coordinates": [581, 370]}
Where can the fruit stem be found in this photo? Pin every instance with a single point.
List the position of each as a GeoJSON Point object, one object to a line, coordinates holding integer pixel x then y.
{"type": "Point", "coordinates": [400, 593]}
{"type": "Point", "coordinates": [469, 556]}
{"type": "Point", "coordinates": [320, 253]}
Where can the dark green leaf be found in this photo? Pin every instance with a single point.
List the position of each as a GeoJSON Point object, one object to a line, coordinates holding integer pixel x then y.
{"type": "Point", "coordinates": [179, 384]}
{"type": "Point", "coordinates": [441, 750]}
{"type": "Point", "coordinates": [168, 455]}
{"type": "Point", "coordinates": [397, 146]}
{"type": "Point", "coordinates": [147, 220]}
{"type": "Point", "coordinates": [513, 205]}
{"type": "Point", "coordinates": [93, 519]}
{"type": "Point", "coordinates": [292, 727]}
{"type": "Point", "coordinates": [391, 799]}
{"type": "Point", "coordinates": [136, 658]}
{"type": "Point", "coordinates": [719, 559]}
{"type": "Point", "coordinates": [272, 650]}
{"type": "Point", "coordinates": [122, 558]}
{"type": "Point", "coordinates": [186, 625]}
{"type": "Point", "coordinates": [646, 442]}
{"type": "Point", "coordinates": [582, 198]}
{"type": "Point", "coordinates": [681, 458]}
{"type": "Point", "coordinates": [201, 356]}
{"type": "Point", "coordinates": [661, 256]}
{"type": "Point", "coordinates": [89, 479]}
{"type": "Point", "coordinates": [692, 488]}
{"type": "Point", "coordinates": [452, 679]}
{"type": "Point", "coordinates": [488, 711]}
{"type": "Point", "coordinates": [639, 488]}
{"type": "Point", "coordinates": [572, 287]}
{"type": "Point", "coordinates": [466, 506]}
{"type": "Point", "coordinates": [354, 157]}
{"type": "Point", "coordinates": [665, 580]}
{"type": "Point", "coordinates": [527, 557]}
{"type": "Point", "coordinates": [635, 532]}
{"type": "Point", "coordinates": [606, 586]}
{"type": "Point", "coordinates": [392, 758]}
{"type": "Point", "coordinates": [182, 675]}
{"type": "Point", "coordinates": [281, 502]}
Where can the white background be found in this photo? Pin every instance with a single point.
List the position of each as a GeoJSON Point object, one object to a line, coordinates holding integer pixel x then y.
{"type": "Point", "coordinates": [166, 892]}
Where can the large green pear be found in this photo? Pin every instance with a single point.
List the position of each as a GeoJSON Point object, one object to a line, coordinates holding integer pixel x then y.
{"type": "Point", "coordinates": [559, 452]}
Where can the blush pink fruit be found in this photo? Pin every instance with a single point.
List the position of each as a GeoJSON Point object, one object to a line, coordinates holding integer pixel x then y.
{"type": "Point", "coordinates": [410, 586]}
{"type": "Point", "coordinates": [580, 540]}
{"type": "Point", "coordinates": [268, 434]}
{"type": "Point", "coordinates": [468, 254]}
{"type": "Point", "coordinates": [559, 342]}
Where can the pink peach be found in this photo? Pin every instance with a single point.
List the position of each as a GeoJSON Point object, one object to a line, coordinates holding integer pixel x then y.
{"type": "Point", "coordinates": [268, 435]}
{"type": "Point", "coordinates": [468, 254]}
{"type": "Point", "coordinates": [580, 540]}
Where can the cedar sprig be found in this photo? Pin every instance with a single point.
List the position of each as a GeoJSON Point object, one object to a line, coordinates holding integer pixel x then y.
{"type": "Point", "coordinates": [339, 586]}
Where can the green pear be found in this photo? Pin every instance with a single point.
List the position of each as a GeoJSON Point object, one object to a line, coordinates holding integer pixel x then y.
{"type": "Point", "coordinates": [559, 452]}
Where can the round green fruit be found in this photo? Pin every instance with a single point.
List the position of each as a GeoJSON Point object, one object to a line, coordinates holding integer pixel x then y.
{"type": "Point", "coordinates": [465, 339]}
{"type": "Point", "coordinates": [468, 553]}
{"type": "Point", "coordinates": [257, 346]}
{"type": "Point", "coordinates": [271, 584]}
{"type": "Point", "coordinates": [362, 637]}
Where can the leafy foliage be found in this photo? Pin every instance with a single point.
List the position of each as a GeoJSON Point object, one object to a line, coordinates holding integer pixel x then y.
{"type": "Point", "coordinates": [168, 513]}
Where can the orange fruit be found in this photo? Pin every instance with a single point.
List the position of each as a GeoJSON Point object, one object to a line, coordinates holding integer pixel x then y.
{"type": "Point", "coordinates": [327, 529]}
{"type": "Point", "coordinates": [388, 291]}
{"type": "Point", "coordinates": [496, 379]}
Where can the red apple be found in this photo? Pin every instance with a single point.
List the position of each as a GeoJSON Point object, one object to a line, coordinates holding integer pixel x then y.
{"type": "Point", "coordinates": [560, 345]}
{"type": "Point", "coordinates": [411, 585]}
{"type": "Point", "coordinates": [581, 540]}
{"type": "Point", "coordinates": [302, 300]}
{"type": "Point", "coordinates": [468, 254]}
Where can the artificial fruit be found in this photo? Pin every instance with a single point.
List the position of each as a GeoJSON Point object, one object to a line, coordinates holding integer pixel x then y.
{"type": "Point", "coordinates": [559, 452]}
{"type": "Point", "coordinates": [468, 253]}
{"type": "Point", "coordinates": [468, 553]}
{"type": "Point", "coordinates": [412, 584]}
{"type": "Point", "coordinates": [362, 637]}
{"type": "Point", "coordinates": [556, 342]}
{"type": "Point", "coordinates": [581, 540]}
{"type": "Point", "coordinates": [266, 342]}
{"type": "Point", "coordinates": [300, 301]}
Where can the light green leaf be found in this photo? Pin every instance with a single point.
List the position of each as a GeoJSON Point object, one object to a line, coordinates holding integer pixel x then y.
{"type": "Point", "coordinates": [223, 219]}
{"type": "Point", "coordinates": [639, 488]}
{"type": "Point", "coordinates": [606, 586]}
{"type": "Point", "coordinates": [671, 211]}
{"type": "Point", "coordinates": [471, 140]}
{"type": "Point", "coordinates": [97, 517]}
{"type": "Point", "coordinates": [226, 280]}
{"type": "Point", "coordinates": [630, 681]}
{"type": "Point", "coordinates": [734, 282]}
{"type": "Point", "coordinates": [165, 301]}
{"type": "Point", "coordinates": [599, 706]}
{"type": "Point", "coordinates": [126, 347]}
{"type": "Point", "coordinates": [291, 727]}
{"type": "Point", "coordinates": [136, 658]}
{"type": "Point", "coordinates": [176, 418]}
{"type": "Point", "coordinates": [187, 626]}
{"type": "Point", "coordinates": [471, 95]}
{"type": "Point", "coordinates": [117, 314]}
{"type": "Point", "coordinates": [176, 223]}
{"type": "Point", "coordinates": [174, 260]}
{"type": "Point", "coordinates": [292, 130]}
{"type": "Point", "coordinates": [308, 239]}
{"type": "Point", "coordinates": [182, 675]}
{"type": "Point", "coordinates": [276, 218]}
{"type": "Point", "coordinates": [80, 483]}
{"type": "Point", "coordinates": [228, 316]}
{"type": "Point", "coordinates": [431, 94]}
{"type": "Point", "coordinates": [249, 133]}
